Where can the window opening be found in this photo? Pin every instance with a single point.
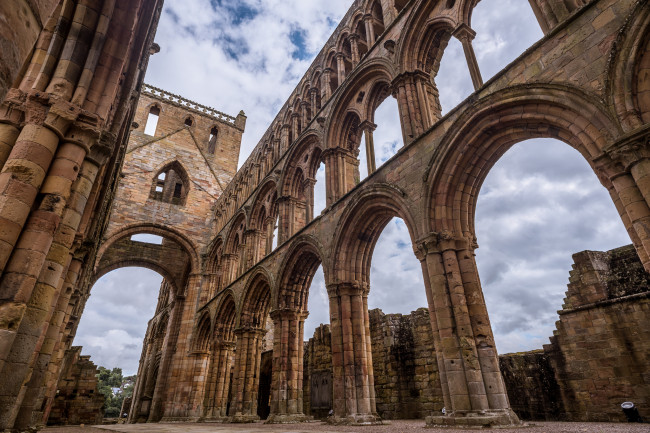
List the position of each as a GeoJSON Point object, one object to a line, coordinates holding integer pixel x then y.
{"type": "Point", "coordinates": [212, 143]}
{"type": "Point", "coordinates": [152, 121]}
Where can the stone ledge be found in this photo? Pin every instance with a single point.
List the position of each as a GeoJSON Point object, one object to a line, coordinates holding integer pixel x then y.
{"type": "Point", "coordinates": [288, 418]}
{"type": "Point", "coordinates": [356, 419]}
{"type": "Point", "coordinates": [476, 419]}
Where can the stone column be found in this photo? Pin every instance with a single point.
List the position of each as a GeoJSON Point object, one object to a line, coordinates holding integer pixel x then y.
{"type": "Point", "coordinates": [305, 113]}
{"type": "Point", "coordinates": [418, 103]}
{"type": "Point", "coordinates": [270, 229]}
{"type": "Point", "coordinates": [56, 267]}
{"type": "Point", "coordinates": [220, 379]}
{"type": "Point", "coordinates": [253, 237]}
{"type": "Point", "coordinates": [626, 167]}
{"type": "Point", "coordinates": [286, 209]}
{"type": "Point", "coordinates": [326, 84]}
{"type": "Point", "coordinates": [341, 172]}
{"type": "Point", "coordinates": [353, 400]}
{"type": "Point", "coordinates": [286, 386]}
{"type": "Point", "coordinates": [246, 374]}
{"type": "Point", "coordinates": [160, 397]}
{"type": "Point", "coordinates": [340, 66]}
{"type": "Point", "coordinates": [313, 93]}
{"type": "Point", "coordinates": [474, 387]}
{"type": "Point", "coordinates": [64, 335]}
{"type": "Point", "coordinates": [354, 48]}
{"type": "Point", "coordinates": [284, 138]}
{"type": "Point", "coordinates": [308, 187]}
{"type": "Point", "coordinates": [8, 136]}
{"type": "Point", "coordinates": [368, 128]}
{"type": "Point", "coordinates": [370, 30]}
{"type": "Point", "coordinates": [465, 34]}
{"type": "Point", "coordinates": [295, 128]}
{"type": "Point", "coordinates": [36, 250]}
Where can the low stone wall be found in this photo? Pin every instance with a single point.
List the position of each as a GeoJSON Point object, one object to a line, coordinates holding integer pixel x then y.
{"type": "Point", "coordinates": [407, 384]}
{"type": "Point", "coordinates": [532, 388]}
{"type": "Point", "coordinates": [78, 400]}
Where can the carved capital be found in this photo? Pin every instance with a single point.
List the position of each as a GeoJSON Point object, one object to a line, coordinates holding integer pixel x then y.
{"type": "Point", "coordinates": [284, 314]}
{"type": "Point", "coordinates": [445, 240]}
{"type": "Point", "coordinates": [464, 33]}
{"type": "Point", "coordinates": [348, 288]}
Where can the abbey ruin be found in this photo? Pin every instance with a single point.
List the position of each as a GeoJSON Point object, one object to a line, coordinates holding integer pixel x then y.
{"type": "Point", "coordinates": [83, 172]}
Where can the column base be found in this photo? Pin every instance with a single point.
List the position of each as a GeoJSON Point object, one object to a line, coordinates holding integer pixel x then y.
{"type": "Point", "coordinates": [356, 419]}
{"type": "Point", "coordinates": [239, 418]}
{"type": "Point", "coordinates": [284, 418]}
{"type": "Point", "coordinates": [486, 418]}
{"type": "Point", "coordinates": [214, 419]}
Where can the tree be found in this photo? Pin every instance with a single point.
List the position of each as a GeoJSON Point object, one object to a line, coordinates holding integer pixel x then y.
{"type": "Point", "coordinates": [115, 388]}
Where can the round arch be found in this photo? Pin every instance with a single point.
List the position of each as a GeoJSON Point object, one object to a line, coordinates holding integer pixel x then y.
{"type": "Point", "coordinates": [360, 226]}
{"type": "Point", "coordinates": [479, 138]}
{"type": "Point", "coordinates": [365, 79]}
{"type": "Point", "coordinates": [155, 229]}
{"type": "Point", "coordinates": [256, 301]}
{"type": "Point", "coordinates": [303, 257]}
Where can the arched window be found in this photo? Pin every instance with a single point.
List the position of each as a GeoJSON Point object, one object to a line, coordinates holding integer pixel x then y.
{"type": "Point", "coordinates": [188, 121]}
{"type": "Point", "coordinates": [171, 184]}
{"type": "Point", "coordinates": [377, 19]}
{"type": "Point", "coordinates": [152, 120]}
{"type": "Point", "coordinates": [212, 141]}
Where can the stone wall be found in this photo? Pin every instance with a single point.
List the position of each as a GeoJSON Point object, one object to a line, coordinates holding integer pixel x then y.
{"type": "Point", "coordinates": [601, 349]}
{"type": "Point", "coordinates": [599, 356]}
{"type": "Point", "coordinates": [317, 365]}
{"type": "Point", "coordinates": [407, 384]}
{"type": "Point", "coordinates": [78, 400]}
{"type": "Point", "coordinates": [406, 375]}
{"type": "Point", "coordinates": [533, 391]}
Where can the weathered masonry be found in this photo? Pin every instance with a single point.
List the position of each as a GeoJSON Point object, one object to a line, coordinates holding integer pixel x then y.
{"type": "Point", "coordinates": [70, 76]}
{"type": "Point", "coordinates": [585, 83]}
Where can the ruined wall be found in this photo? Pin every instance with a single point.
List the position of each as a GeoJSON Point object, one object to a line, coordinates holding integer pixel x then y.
{"type": "Point", "coordinates": [317, 371]}
{"type": "Point", "coordinates": [407, 384]}
{"type": "Point", "coordinates": [78, 400]}
{"type": "Point", "coordinates": [601, 349]}
{"type": "Point", "coordinates": [533, 391]}
{"type": "Point", "coordinates": [406, 375]}
{"type": "Point", "coordinates": [598, 356]}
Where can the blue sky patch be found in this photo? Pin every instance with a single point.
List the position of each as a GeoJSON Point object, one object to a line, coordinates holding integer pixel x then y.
{"type": "Point", "coordinates": [297, 38]}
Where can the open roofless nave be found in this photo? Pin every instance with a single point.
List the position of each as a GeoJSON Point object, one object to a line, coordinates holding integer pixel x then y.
{"type": "Point", "coordinates": [83, 171]}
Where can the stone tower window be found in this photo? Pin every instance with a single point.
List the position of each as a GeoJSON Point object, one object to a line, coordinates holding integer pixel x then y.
{"type": "Point", "coordinates": [188, 121]}
{"type": "Point", "coordinates": [212, 142]}
{"type": "Point", "coordinates": [171, 184]}
{"type": "Point", "coordinates": [152, 120]}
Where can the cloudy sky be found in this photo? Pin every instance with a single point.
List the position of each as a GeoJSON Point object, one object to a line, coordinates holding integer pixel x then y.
{"type": "Point", "coordinates": [540, 203]}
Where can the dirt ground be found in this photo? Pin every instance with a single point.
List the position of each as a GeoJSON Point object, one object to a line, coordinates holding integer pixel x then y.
{"type": "Point", "coordinates": [411, 426]}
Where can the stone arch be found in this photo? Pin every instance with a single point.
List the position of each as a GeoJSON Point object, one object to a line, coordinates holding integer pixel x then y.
{"type": "Point", "coordinates": [234, 254]}
{"type": "Point", "coordinates": [479, 138]}
{"type": "Point", "coordinates": [375, 10]}
{"type": "Point", "coordinates": [359, 228]}
{"type": "Point", "coordinates": [256, 302]}
{"type": "Point", "coordinates": [154, 229]}
{"type": "Point", "coordinates": [300, 263]}
{"type": "Point", "coordinates": [263, 218]}
{"type": "Point", "coordinates": [373, 73]}
{"type": "Point", "coordinates": [629, 57]}
{"type": "Point", "coordinates": [225, 317]}
{"type": "Point", "coordinates": [171, 184]}
{"type": "Point", "coordinates": [174, 259]}
{"type": "Point", "coordinates": [202, 341]}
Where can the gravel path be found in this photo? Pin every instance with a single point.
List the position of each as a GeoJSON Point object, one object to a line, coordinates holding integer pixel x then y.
{"type": "Point", "coordinates": [411, 426]}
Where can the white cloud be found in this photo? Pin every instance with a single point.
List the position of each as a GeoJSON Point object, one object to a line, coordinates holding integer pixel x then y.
{"type": "Point", "coordinates": [540, 203]}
